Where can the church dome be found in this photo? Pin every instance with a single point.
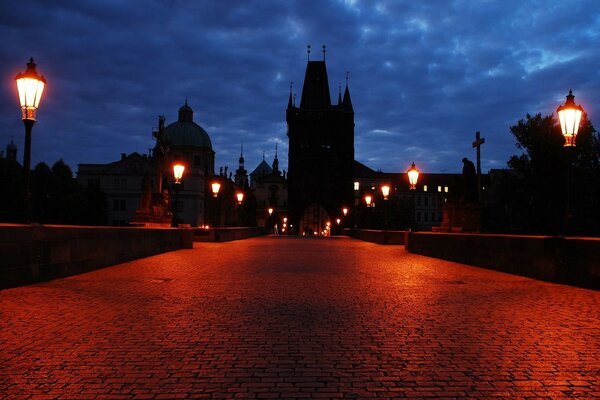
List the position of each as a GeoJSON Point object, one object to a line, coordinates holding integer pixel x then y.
{"type": "Point", "coordinates": [185, 132]}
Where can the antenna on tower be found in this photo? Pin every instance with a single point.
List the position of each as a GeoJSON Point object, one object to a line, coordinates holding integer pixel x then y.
{"type": "Point", "coordinates": [324, 51]}
{"type": "Point", "coordinates": [308, 52]}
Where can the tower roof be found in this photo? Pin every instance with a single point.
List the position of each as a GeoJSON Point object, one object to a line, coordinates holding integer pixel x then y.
{"type": "Point", "coordinates": [262, 169]}
{"type": "Point", "coordinates": [315, 92]}
{"type": "Point", "coordinates": [185, 132]}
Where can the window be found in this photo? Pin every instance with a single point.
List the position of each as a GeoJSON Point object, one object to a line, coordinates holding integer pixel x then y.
{"type": "Point", "coordinates": [445, 189]}
{"type": "Point", "coordinates": [356, 186]}
{"type": "Point", "coordinates": [424, 188]}
{"type": "Point", "coordinates": [439, 188]}
{"type": "Point", "coordinates": [120, 183]}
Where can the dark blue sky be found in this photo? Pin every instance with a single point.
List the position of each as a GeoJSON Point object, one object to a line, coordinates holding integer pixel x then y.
{"type": "Point", "coordinates": [424, 75]}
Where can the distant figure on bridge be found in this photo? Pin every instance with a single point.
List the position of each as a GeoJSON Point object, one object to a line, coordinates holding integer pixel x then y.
{"type": "Point", "coordinates": [275, 230]}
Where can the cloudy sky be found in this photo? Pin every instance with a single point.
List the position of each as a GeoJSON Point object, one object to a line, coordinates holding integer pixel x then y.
{"type": "Point", "coordinates": [424, 75]}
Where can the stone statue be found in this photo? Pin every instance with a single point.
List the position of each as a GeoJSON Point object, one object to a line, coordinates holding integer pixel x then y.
{"type": "Point", "coordinates": [469, 182]}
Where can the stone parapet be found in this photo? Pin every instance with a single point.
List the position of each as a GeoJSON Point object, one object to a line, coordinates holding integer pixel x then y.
{"type": "Point", "coordinates": [568, 260]}
{"type": "Point", "coordinates": [32, 253]}
{"type": "Point", "coordinates": [226, 234]}
{"type": "Point", "coordinates": [377, 236]}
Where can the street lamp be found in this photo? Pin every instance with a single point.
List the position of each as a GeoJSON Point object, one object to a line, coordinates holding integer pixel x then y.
{"type": "Point", "coordinates": [30, 86]}
{"type": "Point", "coordinates": [569, 115]}
{"type": "Point", "coordinates": [385, 190]}
{"type": "Point", "coordinates": [270, 211]}
{"type": "Point", "coordinates": [177, 175]}
{"type": "Point", "coordinates": [413, 176]}
{"type": "Point", "coordinates": [215, 188]}
{"type": "Point", "coordinates": [240, 197]}
{"type": "Point", "coordinates": [368, 200]}
{"type": "Point", "coordinates": [345, 211]}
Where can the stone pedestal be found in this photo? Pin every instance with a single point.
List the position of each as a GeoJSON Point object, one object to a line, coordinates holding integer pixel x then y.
{"type": "Point", "coordinates": [155, 215]}
{"type": "Point", "coordinates": [464, 217]}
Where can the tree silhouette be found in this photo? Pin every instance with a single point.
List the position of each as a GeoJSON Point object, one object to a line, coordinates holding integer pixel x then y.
{"type": "Point", "coordinates": [544, 167]}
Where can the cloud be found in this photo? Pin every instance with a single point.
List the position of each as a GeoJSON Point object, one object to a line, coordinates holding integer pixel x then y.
{"type": "Point", "coordinates": [424, 76]}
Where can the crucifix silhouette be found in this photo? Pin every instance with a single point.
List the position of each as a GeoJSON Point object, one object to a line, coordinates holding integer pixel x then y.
{"type": "Point", "coordinates": [477, 143]}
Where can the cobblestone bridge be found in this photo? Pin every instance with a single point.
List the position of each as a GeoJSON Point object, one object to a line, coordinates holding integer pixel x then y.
{"type": "Point", "coordinates": [298, 318]}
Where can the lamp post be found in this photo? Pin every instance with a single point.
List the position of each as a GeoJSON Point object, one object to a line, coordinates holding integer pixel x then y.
{"type": "Point", "coordinates": [385, 191]}
{"type": "Point", "coordinates": [240, 199]}
{"type": "Point", "coordinates": [368, 201]}
{"type": "Point", "coordinates": [177, 175]}
{"type": "Point", "coordinates": [569, 116]}
{"type": "Point", "coordinates": [216, 186]}
{"type": "Point", "coordinates": [30, 86]}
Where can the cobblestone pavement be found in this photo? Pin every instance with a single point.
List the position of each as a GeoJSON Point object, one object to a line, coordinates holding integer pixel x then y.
{"type": "Point", "coordinates": [298, 318]}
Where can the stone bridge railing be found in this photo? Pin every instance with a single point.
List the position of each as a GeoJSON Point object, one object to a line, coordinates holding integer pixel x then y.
{"type": "Point", "coordinates": [30, 253]}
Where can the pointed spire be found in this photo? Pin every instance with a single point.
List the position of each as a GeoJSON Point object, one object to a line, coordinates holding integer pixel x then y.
{"type": "Point", "coordinates": [241, 160]}
{"type": "Point", "coordinates": [263, 155]}
{"type": "Point", "coordinates": [308, 52]}
{"type": "Point", "coordinates": [290, 104]}
{"type": "Point", "coordinates": [347, 102]}
{"type": "Point", "coordinates": [324, 51]}
{"type": "Point", "coordinates": [276, 162]}
{"type": "Point", "coordinates": [340, 94]}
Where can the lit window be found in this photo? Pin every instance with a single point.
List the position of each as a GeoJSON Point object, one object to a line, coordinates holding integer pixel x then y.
{"type": "Point", "coordinates": [424, 188]}
{"type": "Point", "coordinates": [439, 188]}
{"type": "Point", "coordinates": [446, 189]}
{"type": "Point", "coordinates": [356, 186]}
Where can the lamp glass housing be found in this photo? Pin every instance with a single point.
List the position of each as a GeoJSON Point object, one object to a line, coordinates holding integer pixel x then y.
{"type": "Point", "coordinates": [385, 190]}
{"type": "Point", "coordinates": [216, 186]}
{"type": "Point", "coordinates": [178, 170]}
{"type": "Point", "coordinates": [30, 86]}
{"type": "Point", "coordinates": [569, 116]}
{"type": "Point", "coordinates": [240, 197]}
{"type": "Point", "coordinates": [413, 176]}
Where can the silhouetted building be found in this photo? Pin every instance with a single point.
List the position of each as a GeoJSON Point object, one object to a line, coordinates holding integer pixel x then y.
{"type": "Point", "coordinates": [321, 152]}
{"type": "Point", "coordinates": [122, 181]}
{"type": "Point", "coordinates": [270, 188]}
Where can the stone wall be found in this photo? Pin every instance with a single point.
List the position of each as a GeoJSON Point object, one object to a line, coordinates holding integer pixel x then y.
{"type": "Point", "coordinates": [377, 236]}
{"type": "Point", "coordinates": [574, 261]}
{"type": "Point", "coordinates": [30, 253]}
{"type": "Point", "coordinates": [226, 234]}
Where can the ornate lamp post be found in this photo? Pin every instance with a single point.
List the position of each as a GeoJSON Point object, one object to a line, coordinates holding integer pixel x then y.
{"type": "Point", "coordinates": [385, 191]}
{"type": "Point", "coordinates": [345, 211]}
{"type": "Point", "coordinates": [30, 86]}
{"type": "Point", "coordinates": [413, 176]}
{"type": "Point", "coordinates": [177, 175]}
{"type": "Point", "coordinates": [569, 116]}
{"type": "Point", "coordinates": [368, 201]}
{"type": "Point", "coordinates": [240, 199]}
{"type": "Point", "coordinates": [215, 187]}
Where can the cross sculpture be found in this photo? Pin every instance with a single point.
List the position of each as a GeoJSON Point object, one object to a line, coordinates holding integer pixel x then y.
{"type": "Point", "coordinates": [477, 143]}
